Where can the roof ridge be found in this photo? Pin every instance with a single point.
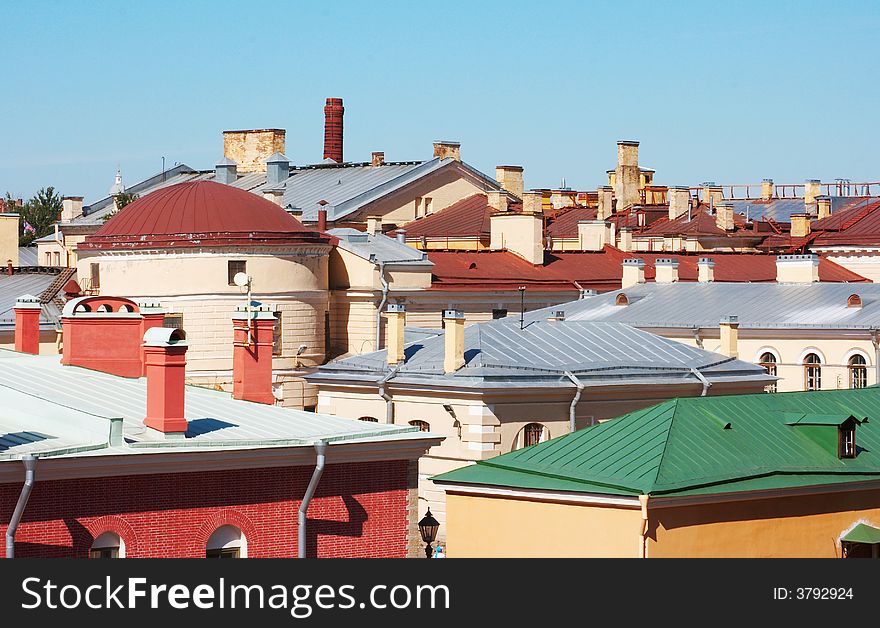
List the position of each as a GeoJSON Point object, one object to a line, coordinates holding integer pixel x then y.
{"type": "Point", "coordinates": [659, 468]}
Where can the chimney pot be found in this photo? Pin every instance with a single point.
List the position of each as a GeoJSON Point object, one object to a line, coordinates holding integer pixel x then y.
{"type": "Point", "coordinates": [253, 341]}
{"type": "Point", "coordinates": [322, 217]}
{"type": "Point", "coordinates": [27, 324]}
{"type": "Point", "coordinates": [165, 365]}
{"type": "Point", "coordinates": [333, 114]}
{"type": "Point", "coordinates": [767, 189]}
{"type": "Point", "coordinates": [453, 341]}
{"type": "Point", "coordinates": [401, 236]}
{"type": "Point", "coordinates": [377, 159]}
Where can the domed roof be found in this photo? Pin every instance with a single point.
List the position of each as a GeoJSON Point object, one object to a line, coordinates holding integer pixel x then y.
{"type": "Point", "coordinates": [201, 213]}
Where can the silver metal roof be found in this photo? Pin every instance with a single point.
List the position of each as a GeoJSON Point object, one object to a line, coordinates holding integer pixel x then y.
{"type": "Point", "coordinates": [12, 287]}
{"type": "Point", "coordinates": [27, 256]}
{"type": "Point", "coordinates": [759, 305]}
{"type": "Point", "coordinates": [498, 354]}
{"type": "Point", "coordinates": [781, 209]}
{"type": "Point", "coordinates": [379, 248]}
{"type": "Point", "coordinates": [49, 409]}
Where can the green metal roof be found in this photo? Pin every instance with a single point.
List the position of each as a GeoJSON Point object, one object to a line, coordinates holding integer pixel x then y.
{"type": "Point", "coordinates": [699, 445]}
{"type": "Point", "coordinates": [862, 533]}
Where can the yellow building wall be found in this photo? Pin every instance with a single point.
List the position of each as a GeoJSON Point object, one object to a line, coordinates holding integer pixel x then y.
{"type": "Point", "coordinates": [539, 529]}
{"type": "Point", "coordinates": [9, 238]}
{"type": "Point", "coordinates": [866, 265]}
{"type": "Point", "coordinates": [807, 526]}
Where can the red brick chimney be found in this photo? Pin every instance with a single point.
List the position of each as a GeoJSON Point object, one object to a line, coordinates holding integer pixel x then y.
{"type": "Point", "coordinates": [152, 316]}
{"type": "Point", "coordinates": [165, 354]}
{"type": "Point", "coordinates": [322, 216]}
{"type": "Point", "coordinates": [333, 111]}
{"type": "Point", "coordinates": [27, 324]}
{"type": "Point", "coordinates": [252, 354]}
{"type": "Point", "coordinates": [103, 334]}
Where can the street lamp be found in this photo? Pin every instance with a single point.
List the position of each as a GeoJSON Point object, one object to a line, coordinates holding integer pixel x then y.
{"type": "Point", "coordinates": [428, 527]}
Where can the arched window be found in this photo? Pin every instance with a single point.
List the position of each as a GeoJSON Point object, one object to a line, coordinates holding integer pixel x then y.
{"type": "Point", "coordinates": [858, 371]}
{"type": "Point", "coordinates": [108, 545]}
{"type": "Point", "coordinates": [812, 372]}
{"type": "Point", "coordinates": [368, 419]}
{"type": "Point", "coordinates": [226, 542]}
{"type": "Point", "coordinates": [422, 425]}
{"type": "Point", "coordinates": [768, 361]}
{"type": "Point", "coordinates": [531, 434]}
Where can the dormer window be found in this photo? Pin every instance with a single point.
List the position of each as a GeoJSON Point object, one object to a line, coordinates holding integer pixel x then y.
{"type": "Point", "coordinates": [846, 440]}
{"type": "Point", "coordinates": [621, 299]}
{"type": "Point", "coordinates": [854, 300]}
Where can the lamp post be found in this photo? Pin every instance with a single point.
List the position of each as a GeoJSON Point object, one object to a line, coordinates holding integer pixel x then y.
{"type": "Point", "coordinates": [428, 527]}
{"type": "Point", "coordinates": [522, 306]}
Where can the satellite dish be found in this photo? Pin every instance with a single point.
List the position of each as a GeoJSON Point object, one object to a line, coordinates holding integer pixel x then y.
{"type": "Point", "coordinates": [241, 280]}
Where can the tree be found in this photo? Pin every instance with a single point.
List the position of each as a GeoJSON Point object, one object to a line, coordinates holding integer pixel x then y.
{"type": "Point", "coordinates": [124, 199]}
{"type": "Point", "coordinates": [39, 214]}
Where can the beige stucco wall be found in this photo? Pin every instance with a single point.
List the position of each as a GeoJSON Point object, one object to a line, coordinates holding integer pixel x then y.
{"type": "Point", "coordinates": [9, 238]}
{"type": "Point", "coordinates": [866, 263]}
{"type": "Point", "coordinates": [539, 529]}
{"type": "Point", "coordinates": [65, 246]}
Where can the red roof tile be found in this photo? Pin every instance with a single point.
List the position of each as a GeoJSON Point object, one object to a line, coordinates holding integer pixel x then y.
{"type": "Point", "coordinates": [856, 225]}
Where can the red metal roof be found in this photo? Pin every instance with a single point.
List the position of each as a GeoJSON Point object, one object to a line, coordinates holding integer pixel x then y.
{"type": "Point", "coordinates": [200, 213]}
{"type": "Point", "coordinates": [468, 218]}
{"type": "Point", "coordinates": [856, 225]}
{"type": "Point", "coordinates": [565, 224]}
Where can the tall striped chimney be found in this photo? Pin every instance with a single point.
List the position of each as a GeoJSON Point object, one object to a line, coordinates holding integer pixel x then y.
{"type": "Point", "coordinates": [333, 111]}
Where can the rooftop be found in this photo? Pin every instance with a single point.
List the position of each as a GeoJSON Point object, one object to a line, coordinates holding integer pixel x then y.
{"type": "Point", "coordinates": [378, 248]}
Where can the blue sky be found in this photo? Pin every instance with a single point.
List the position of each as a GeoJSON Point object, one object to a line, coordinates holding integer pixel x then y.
{"type": "Point", "coordinates": [730, 92]}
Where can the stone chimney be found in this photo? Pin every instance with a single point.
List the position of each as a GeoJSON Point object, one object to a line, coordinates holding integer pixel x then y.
{"type": "Point", "coordinates": [533, 203]}
{"type": "Point", "coordinates": [71, 207]}
{"type": "Point", "coordinates": [627, 176]}
{"type": "Point", "coordinates": [374, 225]}
{"type": "Point", "coordinates": [497, 200]}
{"type": "Point", "coordinates": [800, 225]}
{"type": "Point", "coordinates": [679, 201]}
{"type": "Point", "coordinates": [812, 189]}
{"type": "Point", "coordinates": [27, 324]}
{"type": "Point", "coordinates": [633, 272]}
{"type": "Point", "coordinates": [767, 189]}
{"type": "Point", "coordinates": [519, 233]}
{"type": "Point", "coordinates": [274, 195]}
{"type": "Point", "coordinates": [724, 216]}
{"type": "Point", "coordinates": [394, 332]}
{"type": "Point", "coordinates": [277, 170]}
{"type": "Point", "coordinates": [560, 198]}
{"type": "Point", "coordinates": [510, 178]}
{"type": "Point", "coordinates": [250, 149]}
{"type": "Point", "coordinates": [333, 112]}
{"type": "Point", "coordinates": [705, 270]}
{"type": "Point", "coordinates": [593, 235]}
{"type": "Point", "coordinates": [606, 206]}
{"type": "Point", "coordinates": [797, 268]}
{"type": "Point", "coordinates": [453, 340]}
{"type": "Point", "coordinates": [729, 331]}
{"type": "Point", "coordinates": [377, 159]}
{"type": "Point", "coordinates": [165, 366]}
{"type": "Point", "coordinates": [666, 270]}
{"type": "Point", "coordinates": [713, 194]}
{"type": "Point", "coordinates": [226, 171]}
{"type": "Point", "coordinates": [824, 205]}
{"type": "Point", "coordinates": [253, 341]}
{"type": "Point", "coordinates": [444, 150]}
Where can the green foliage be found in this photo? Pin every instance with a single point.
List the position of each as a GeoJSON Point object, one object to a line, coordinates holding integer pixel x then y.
{"type": "Point", "coordinates": [41, 212]}
{"type": "Point", "coordinates": [122, 200]}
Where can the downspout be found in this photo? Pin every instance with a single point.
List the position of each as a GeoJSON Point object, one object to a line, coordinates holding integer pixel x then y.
{"type": "Point", "coordinates": [875, 338]}
{"type": "Point", "coordinates": [697, 338]}
{"type": "Point", "coordinates": [702, 378]}
{"type": "Point", "coordinates": [320, 448]}
{"type": "Point", "coordinates": [389, 407]}
{"type": "Point", "coordinates": [30, 475]}
{"type": "Point", "coordinates": [381, 304]}
{"type": "Point", "coordinates": [572, 424]}
{"type": "Point", "coordinates": [643, 535]}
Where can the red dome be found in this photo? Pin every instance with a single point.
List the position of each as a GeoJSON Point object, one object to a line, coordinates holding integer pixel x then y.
{"type": "Point", "coordinates": [201, 213]}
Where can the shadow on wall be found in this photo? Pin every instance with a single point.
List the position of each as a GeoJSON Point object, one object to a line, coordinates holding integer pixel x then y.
{"type": "Point", "coordinates": [354, 527]}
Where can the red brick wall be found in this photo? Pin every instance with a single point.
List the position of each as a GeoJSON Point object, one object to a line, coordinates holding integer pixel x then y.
{"type": "Point", "coordinates": [360, 510]}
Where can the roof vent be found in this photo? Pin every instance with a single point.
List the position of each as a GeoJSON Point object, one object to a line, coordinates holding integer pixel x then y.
{"type": "Point", "coordinates": [557, 316]}
{"type": "Point", "coordinates": [854, 300]}
{"type": "Point", "coordinates": [473, 265]}
{"type": "Point", "coordinates": [621, 299]}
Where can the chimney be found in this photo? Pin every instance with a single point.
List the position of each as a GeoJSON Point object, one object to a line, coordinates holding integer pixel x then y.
{"type": "Point", "coordinates": [510, 178]}
{"type": "Point", "coordinates": [627, 176]}
{"type": "Point", "coordinates": [724, 216]}
{"type": "Point", "coordinates": [497, 200]}
{"type": "Point", "coordinates": [800, 225]}
{"type": "Point", "coordinates": [394, 332]}
{"type": "Point", "coordinates": [729, 331]}
{"type": "Point", "coordinates": [626, 239]}
{"type": "Point", "coordinates": [152, 315]}
{"type": "Point", "coordinates": [824, 204]}
{"type": "Point", "coordinates": [27, 324]}
{"type": "Point", "coordinates": [333, 112]}
{"type": "Point", "coordinates": [453, 340]}
{"type": "Point", "coordinates": [444, 150]}
{"type": "Point", "coordinates": [533, 203]}
{"type": "Point", "coordinates": [633, 272]}
{"type": "Point", "coordinates": [519, 233]}
{"type": "Point", "coordinates": [679, 201]}
{"type": "Point", "coordinates": [812, 189]}
{"type": "Point", "coordinates": [377, 159]}
{"type": "Point", "coordinates": [274, 195]}
{"type": "Point", "coordinates": [277, 170]}
{"type": "Point", "coordinates": [705, 270]}
{"type": "Point", "coordinates": [250, 149]}
{"type": "Point", "coordinates": [103, 333]}
{"type": "Point", "coordinates": [374, 225]}
{"type": "Point", "coordinates": [606, 206]}
{"type": "Point", "coordinates": [593, 235]}
{"type": "Point", "coordinates": [322, 216]}
{"type": "Point", "coordinates": [252, 353]}
{"type": "Point", "coordinates": [797, 268]}
{"type": "Point", "coordinates": [401, 236]}
{"type": "Point", "coordinates": [165, 367]}
{"type": "Point", "coordinates": [71, 207]}
{"type": "Point", "coordinates": [767, 189]}
{"type": "Point", "coordinates": [560, 199]}
{"type": "Point", "coordinates": [713, 194]}
{"type": "Point", "coordinates": [226, 171]}
{"type": "Point", "coordinates": [666, 270]}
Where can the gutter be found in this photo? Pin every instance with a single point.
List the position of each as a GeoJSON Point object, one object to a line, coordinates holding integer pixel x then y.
{"type": "Point", "coordinates": [320, 448]}
{"type": "Point", "coordinates": [572, 424]}
{"type": "Point", "coordinates": [389, 407]}
{"type": "Point", "coordinates": [30, 475]}
{"type": "Point", "coordinates": [643, 535]}
{"type": "Point", "coordinates": [702, 378]}
{"type": "Point", "coordinates": [385, 290]}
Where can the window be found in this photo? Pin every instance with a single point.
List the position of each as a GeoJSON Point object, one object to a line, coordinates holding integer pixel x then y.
{"type": "Point", "coordinates": [422, 425]}
{"type": "Point", "coordinates": [57, 256]}
{"type": "Point", "coordinates": [48, 258]}
{"type": "Point", "coordinates": [768, 361]}
{"type": "Point", "coordinates": [846, 440]}
{"type": "Point", "coordinates": [858, 371]}
{"type": "Point", "coordinates": [499, 313]}
{"type": "Point", "coordinates": [233, 267]}
{"type": "Point", "coordinates": [107, 545]}
{"type": "Point", "coordinates": [418, 207]}
{"type": "Point", "coordinates": [368, 419]}
{"type": "Point", "coordinates": [531, 434]}
{"type": "Point", "coordinates": [428, 208]}
{"type": "Point", "coordinates": [95, 279]}
{"type": "Point", "coordinates": [276, 335]}
{"type": "Point", "coordinates": [173, 321]}
{"type": "Point", "coordinates": [226, 542]}
{"type": "Point", "coordinates": [621, 299]}
{"type": "Point", "coordinates": [854, 300]}
{"type": "Point", "coordinates": [812, 372]}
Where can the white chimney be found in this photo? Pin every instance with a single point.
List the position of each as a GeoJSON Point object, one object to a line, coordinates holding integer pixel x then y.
{"type": "Point", "coordinates": [705, 270]}
{"type": "Point", "coordinates": [633, 272]}
{"type": "Point", "coordinates": [665, 270]}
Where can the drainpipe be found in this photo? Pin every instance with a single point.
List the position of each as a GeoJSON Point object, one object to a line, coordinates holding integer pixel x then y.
{"type": "Point", "coordinates": [30, 475]}
{"type": "Point", "coordinates": [381, 304]}
{"type": "Point", "coordinates": [320, 448]}
{"type": "Point", "coordinates": [643, 535]}
{"type": "Point", "coordinates": [697, 338]}
{"type": "Point", "coordinates": [389, 407]}
{"type": "Point", "coordinates": [706, 382]}
{"type": "Point", "coordinates": [875, 338]}
{"type": "Point", "coordinates": [574, 402]}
